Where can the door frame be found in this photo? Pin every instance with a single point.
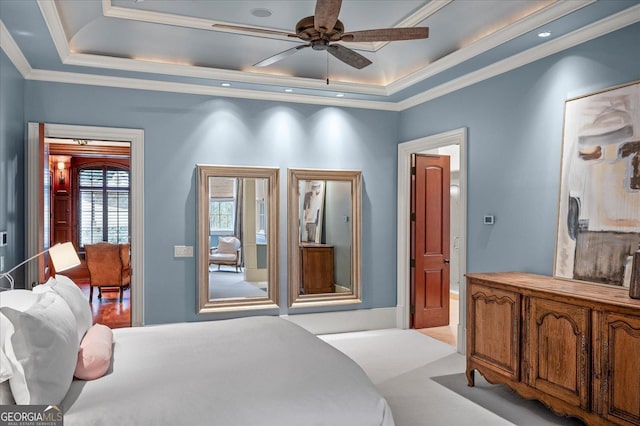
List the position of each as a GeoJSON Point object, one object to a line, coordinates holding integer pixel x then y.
{"type": "Point", "coordinates": [405, 149]}
{"type": "Point", "coordinates": [65, 131]}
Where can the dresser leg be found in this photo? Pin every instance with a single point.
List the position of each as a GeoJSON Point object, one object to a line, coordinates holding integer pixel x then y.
{"type": "Point", "coordinates": [471, 379]}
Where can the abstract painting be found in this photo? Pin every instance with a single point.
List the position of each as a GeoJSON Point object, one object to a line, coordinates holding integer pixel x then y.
{"type": "Point", "coordinates": [599, 207]}
{"type": "Point", "coordinates": [311, 210]}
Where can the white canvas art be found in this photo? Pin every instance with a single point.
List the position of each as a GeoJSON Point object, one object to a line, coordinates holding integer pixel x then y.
{"type": "Point", "coordinates": [599, 206]}
{"type": "Point", "coordinates": [311, 210]}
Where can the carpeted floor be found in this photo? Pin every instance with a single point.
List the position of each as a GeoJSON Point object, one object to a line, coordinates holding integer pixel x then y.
{"type": "Point", "coordinates": [423, 381]}
{"type": "Point", "coordinates": [231, 285]}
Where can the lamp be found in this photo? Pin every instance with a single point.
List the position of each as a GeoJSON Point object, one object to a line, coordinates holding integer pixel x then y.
{"type": "Point", "coordinates": [63, 257]}
{"type": "Point", "coordinates": [61, 172]}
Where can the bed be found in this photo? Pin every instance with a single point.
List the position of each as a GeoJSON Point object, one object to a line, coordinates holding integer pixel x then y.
{"type": "Point", "coordinates": [247, 371]}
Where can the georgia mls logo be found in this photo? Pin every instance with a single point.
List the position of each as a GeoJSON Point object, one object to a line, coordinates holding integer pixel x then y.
{"type": "Point", "coordinates": [31, 415]}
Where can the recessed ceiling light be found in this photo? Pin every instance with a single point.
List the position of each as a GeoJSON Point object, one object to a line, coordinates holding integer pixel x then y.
{"type": "Point", "coordinates": [544, 34]}
{"type": "Point", "coordinates": [261, 12]}
{"type": "Point", "coordinates": [288, 90]}
{"type": "Point", "coordinates": [225, 84]}
{"type": "Point", "coordinates": [340, 95]}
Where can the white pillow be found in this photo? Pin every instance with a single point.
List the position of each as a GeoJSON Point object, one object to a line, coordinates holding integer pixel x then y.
{"type": "Point", "coordinates": [6, 331]}
{"type": "Point", "coordinates": [5, 394]}
{"type": "Point", "coordinates": [45, 345]}
{"type": "Point", "coordinates": [20, 300]}
{"type": "Point", "coordinates": [74, 297]}
{"type": "Point", "coordinates": [226, 246]}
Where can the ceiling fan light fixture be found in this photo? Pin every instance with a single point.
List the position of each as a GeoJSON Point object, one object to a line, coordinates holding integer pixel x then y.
{"type": "Point", "coordinates": [261, 12]}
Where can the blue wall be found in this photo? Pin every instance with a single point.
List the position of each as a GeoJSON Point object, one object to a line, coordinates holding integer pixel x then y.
{"type": "Point", "coordinates": [514, 124]}
{"type": "Point", "coordinates": [12, 167]}
{"type": "Point", "coordinates": [183, 130]}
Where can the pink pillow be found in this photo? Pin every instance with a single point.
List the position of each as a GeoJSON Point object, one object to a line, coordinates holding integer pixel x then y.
{"type": "Point", "coordinates": [94, 356]}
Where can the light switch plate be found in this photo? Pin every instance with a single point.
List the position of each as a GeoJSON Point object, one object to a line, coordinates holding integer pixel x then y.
{"type": "Point", "coordinates": [3, 238]}
{"type": "Point", "coordinates": [183, 251]}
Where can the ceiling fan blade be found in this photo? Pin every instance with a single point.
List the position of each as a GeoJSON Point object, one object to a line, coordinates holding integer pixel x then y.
{"type": "Point", "coordinates": [387, 34]}
{"type": "Point", "coordinates": [326, 15]}
{"type": "Point", "coordinates": [279, 56]}
{"type": "Point", "coordinates": [348, 56]}
{"type": "Point", "coordinates": [254, 30]}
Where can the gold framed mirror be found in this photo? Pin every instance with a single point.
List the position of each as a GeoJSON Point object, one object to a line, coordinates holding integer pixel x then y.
{"type": "Point", "coordinates": [324, 211]}
{"type": "Point", "coordinates": [237, 238]}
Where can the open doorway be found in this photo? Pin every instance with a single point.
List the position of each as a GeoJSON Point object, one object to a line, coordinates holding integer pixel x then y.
{"type": "Point", "coordinates": [36, 239]}
{"type": "Point", "coordinates": [89, 198]}
{"type": "Point", "coordinates": [456, 140]}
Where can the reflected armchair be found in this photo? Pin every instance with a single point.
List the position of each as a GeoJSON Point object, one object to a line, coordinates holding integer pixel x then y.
{"type": "Point", "coordinates": [109, 266]}
{"type": "Point", "coordinates": [226, 253]}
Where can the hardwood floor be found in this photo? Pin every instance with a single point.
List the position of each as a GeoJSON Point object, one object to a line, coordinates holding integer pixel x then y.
{"type": "Point", "coordinates": [108, 310]}
{"type": "Point", "coordinates": [447, 333]}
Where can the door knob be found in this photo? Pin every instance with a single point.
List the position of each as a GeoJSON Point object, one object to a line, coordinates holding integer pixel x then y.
{"type": "Point", "coordinates": [447, 261]}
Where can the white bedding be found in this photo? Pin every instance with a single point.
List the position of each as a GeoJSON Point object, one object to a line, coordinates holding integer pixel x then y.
{"type": "Point", "coordinates": [248, 371]}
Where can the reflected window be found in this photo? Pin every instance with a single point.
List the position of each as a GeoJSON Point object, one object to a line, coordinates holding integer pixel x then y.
{"type": "Point", "coordinates": [222, 205]}
{"type": "Point", "coordinates": [222, 214]}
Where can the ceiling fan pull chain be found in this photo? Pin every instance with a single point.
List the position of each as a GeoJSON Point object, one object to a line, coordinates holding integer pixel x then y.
{"type": "Point", "coordinates": [327, 68]}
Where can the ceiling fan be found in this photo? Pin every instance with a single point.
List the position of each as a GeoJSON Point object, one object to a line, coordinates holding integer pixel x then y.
{"type": "Point", "coordinates": [322, 30]}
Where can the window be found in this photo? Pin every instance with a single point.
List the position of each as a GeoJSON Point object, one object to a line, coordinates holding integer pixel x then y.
{"type": "Point", "coordinates": [222, 205]}
{"type": "Point", "coordinates": [261, 221]}
{"type": "Point", "coordinates": [103, 205]}
{"type": "Point", "coordinates": [221, 215]}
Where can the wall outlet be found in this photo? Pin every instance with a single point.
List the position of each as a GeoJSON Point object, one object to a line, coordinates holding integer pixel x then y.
{"type": "Point", "coordinates": [182, 251]}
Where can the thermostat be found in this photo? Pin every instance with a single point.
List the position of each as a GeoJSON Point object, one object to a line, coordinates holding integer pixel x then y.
{"type": "Point", "coordinates": [489, 219]}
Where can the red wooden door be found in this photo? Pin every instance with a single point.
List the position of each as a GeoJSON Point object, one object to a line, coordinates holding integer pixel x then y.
{"type": "Point", "coordinates": [44, 206]}
{"type": "Point", "coordinates": [430, 199]}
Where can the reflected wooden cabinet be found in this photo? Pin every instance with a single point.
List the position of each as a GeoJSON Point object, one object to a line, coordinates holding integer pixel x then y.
{"type": "Point", "coordinates": [316, 268]}
{"type": "Point", "coordinates": [574, 346]}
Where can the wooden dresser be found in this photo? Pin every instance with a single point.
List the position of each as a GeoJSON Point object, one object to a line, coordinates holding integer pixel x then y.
{"type": "Point", "coordinates": [316, 268]}
{"type": "Point", "coordinates": [574, 346]}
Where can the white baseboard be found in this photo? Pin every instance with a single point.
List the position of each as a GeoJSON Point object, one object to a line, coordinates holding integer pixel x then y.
{"type": "Point", "coordinates": [345, 321]}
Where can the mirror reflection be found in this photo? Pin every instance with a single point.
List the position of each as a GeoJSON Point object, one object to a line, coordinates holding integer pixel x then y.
{"type": "Point", "coordinates": [238, 242]}
{"type": "Point", "coordinates": [324, 236]}
{"type": "Point", "coordinates": [237, 238]}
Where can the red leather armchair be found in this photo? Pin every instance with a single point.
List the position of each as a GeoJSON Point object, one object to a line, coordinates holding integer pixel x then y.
{"type": "Point", "coordinates": [109, 266]}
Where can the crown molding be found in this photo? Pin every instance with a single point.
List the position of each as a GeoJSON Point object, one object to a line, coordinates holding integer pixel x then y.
{"type": "Point", "coordinates": [54, 25]}
{"type": "Point", "coordinates": [620, 20]}
{"type": "Point", "coordinates": [11, 49]}
{"type": "Point", "coordinates": [597, 29]}
{"type": "Point", "coordinates": [529, 23]}
{"type": "Point", "coordinates": [181, 70]}
{"type": "Point", "coordinates": [196, 89]}
{"type": "Point", "coordinates": [110, 11]}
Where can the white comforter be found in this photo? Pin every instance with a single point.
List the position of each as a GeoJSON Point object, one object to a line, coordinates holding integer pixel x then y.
{"type": "Point", "coordinates": [248, 371]}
